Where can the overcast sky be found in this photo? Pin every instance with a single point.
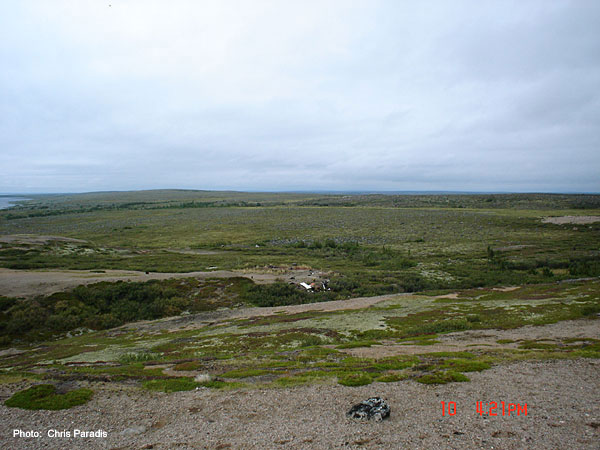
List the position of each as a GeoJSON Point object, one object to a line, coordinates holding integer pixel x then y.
{"type": "Point", "coordinates": [300, 95]}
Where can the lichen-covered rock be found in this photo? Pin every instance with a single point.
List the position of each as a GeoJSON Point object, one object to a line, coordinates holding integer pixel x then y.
{"type": "Point", "coordinates": [373, 408]}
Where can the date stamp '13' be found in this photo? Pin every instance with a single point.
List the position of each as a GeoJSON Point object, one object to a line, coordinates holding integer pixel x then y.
{"type": "Point", "coordinates": [489, 408]}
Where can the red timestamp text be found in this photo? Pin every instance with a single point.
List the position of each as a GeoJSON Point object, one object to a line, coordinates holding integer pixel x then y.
{"type": "Point", "coordinates": [501, 408]}
{"type": "Point", "coordinates": [489, 408]}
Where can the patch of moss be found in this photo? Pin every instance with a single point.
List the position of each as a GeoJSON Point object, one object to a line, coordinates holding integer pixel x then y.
{"type": "Point", "coordinates": [531, 345]}
{"type": "Point", "coordinates": [442, 377]}
{"type": "Point", "coordinates": [245, 373]}
{"type": "Point", "coordinates": [213, 384]}
{"type": "Point", "coordinates": [393, 363]}
{"type": "Point", "coordinates": [188, 365]}
{"type": "Point", "coordinates": [357, 344]}
{"type": "Point", "coordinates": [465, 365]}
{"type": "Point", "coordinates": [171, 384]}
{"type": "Point", "coordinates": [465, 355]}
{"type": "Point", "coordinates": [391, 377]}
{"type": "Point", "coordinates": [444, 326]}
{"type": "Point", "coordinates": [355, 379]}
{"type": "Point", "coordinates": [44, 396]}
{"type": "Point", "coordinates": [16, 377]}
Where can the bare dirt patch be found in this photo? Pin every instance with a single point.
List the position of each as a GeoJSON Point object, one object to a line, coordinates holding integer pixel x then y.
{"type": "Point", "coordinates": [577, 220]}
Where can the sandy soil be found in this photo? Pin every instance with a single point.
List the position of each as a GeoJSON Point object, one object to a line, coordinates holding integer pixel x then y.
{"type": "Point", "coordinates": [579, 220]}
{"type": "Point", "coordinates": [28, 283]}
{"type": "Point", "coordinates": [562, 397]}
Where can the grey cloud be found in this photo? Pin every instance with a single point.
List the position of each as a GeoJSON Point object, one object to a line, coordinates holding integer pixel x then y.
{"type": "Point", "coordinates": [493, 96]}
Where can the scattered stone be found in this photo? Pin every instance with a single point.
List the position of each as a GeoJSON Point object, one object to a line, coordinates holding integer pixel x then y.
{"type": "Point", "coordinates": [203, 378]}
{"type": "Point", "coordinates": [134, 430]}
{"type": "Point", "coordinates": [375, 407]}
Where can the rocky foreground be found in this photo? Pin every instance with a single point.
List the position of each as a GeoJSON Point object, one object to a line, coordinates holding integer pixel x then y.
{"type": "Point", "coordinates": [562, 397]}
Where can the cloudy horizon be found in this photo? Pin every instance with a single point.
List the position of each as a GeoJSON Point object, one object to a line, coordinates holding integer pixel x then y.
{"type": "Point", "coordinates": [300, 96]}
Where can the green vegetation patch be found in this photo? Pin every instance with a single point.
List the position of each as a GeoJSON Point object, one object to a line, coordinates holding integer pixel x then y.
{"type": "Point", "coordinates": [442, 377]}
{"type": "Point", "coordinates": [44, 396]}
{"type": "Point", "coordinates": [357, 344]}
{"type": "Point", "coordinates": [107, 305]}
{"type": "Point", "coordinates": [465, 365]}
{"type": "Point", "coordinates": [391, 377]}
{"type": "Point", "coordinates": [537, 345]}
{"type": "Point", "coordinates": [138, 357]}
{"type": "Point", "coordinates": [171, 384]}
{"type": "Point", "coordinates": [245, 373]}
{"type": "Point", "coordinates": [355, 379]}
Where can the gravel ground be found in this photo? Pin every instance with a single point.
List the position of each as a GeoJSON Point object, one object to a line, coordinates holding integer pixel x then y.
{"type": "Point", "coordinates": [562, 397]}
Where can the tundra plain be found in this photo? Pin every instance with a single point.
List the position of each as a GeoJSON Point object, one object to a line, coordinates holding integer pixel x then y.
{"type": "Point", "coordinates": [156, 314]}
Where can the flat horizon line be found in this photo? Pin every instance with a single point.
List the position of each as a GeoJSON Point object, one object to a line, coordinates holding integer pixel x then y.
{"type": "Point", "coordinates": [311, 191]}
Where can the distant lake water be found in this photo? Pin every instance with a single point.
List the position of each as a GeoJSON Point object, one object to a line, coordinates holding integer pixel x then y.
{"type": "Point", "coordinates": [7, 202]}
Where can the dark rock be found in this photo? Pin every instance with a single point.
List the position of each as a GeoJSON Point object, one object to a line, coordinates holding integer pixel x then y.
{"type": "Point", "coordinates": [373, 408]}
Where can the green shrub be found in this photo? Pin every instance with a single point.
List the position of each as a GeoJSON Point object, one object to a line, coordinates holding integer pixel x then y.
{"type": "Point", "coordinates": [44, 396]}
{"type": "Point", "coordinates": [413, 283]}
{"type": "Point", "coordinates": [585, 267]}
{"type": "Point", "coordinates": [6, 303]}
{"type": "Point", "coordinates": [590, 310]}
{"type": "Point", "coordinates": [311, 341]}
{"type": "Point", "coordinates": [280, 294]}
